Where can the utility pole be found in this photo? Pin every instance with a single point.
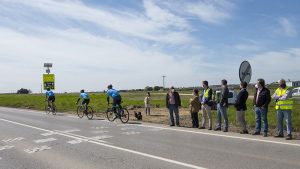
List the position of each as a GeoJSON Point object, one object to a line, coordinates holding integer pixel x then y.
{"type": "Point", "coordinates": [164, 81]}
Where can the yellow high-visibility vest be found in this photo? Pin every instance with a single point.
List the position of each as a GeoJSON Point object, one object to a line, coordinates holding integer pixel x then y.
{"type": "Point", "coordinates": [206, 93]}
{"type": "Point", "coordinates": [283, 104]}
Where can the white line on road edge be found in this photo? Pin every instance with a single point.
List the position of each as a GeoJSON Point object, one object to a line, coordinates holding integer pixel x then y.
{"type": "Point", "coordinates": [220, 135]}
{"type": "Point", "coordinates": [110, 146]}
{"type": "Point", "coordinates": [45, 140]}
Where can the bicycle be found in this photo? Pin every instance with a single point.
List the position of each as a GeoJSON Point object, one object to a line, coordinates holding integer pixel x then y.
{"type": "Point", "coordinates": [85, 110]}
{"type": "Point", "coordinates": [122, 114]}
{"type": "Point", "coordinates": [50, 109]}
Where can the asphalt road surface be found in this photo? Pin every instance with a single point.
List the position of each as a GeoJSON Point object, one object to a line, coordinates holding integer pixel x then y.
{"type": "Point", "coordinates": [34, 140]}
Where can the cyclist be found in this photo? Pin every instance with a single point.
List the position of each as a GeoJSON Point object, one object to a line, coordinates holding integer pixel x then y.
{"type": "Point", "coordinates": [116, 97]}
{"type": "Point", "coordinates": [50, 97]}
{"type": "Point", "coordinates": [85, 100]}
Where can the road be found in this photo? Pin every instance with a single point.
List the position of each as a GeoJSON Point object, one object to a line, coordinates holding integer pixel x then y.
{"type": "Point", "coordinates": [31, 139]}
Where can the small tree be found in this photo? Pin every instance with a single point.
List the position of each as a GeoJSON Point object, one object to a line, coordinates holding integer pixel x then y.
{"type": "Point", "coordinates": [156, 88]}
{"type": "Point", "coordinates": [23, 91]}
{"type": "Point", "coordinates": [148, 88]}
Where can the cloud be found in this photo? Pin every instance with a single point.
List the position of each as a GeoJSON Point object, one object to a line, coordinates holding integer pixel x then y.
{"type": "Point", "coordinates": [211, 11]}
{"type": "Point", "coordinates": [274, 65]}
{"type": "Point", "coordinates": [83, 60]}
{"type": "Point", "coordinates": [159, 25]}
{"type": "Point", "coordinates": [287, 27]}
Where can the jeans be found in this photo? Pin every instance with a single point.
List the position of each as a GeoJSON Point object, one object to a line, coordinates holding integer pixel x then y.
{"type": "Point", "coordinates": [280, 117]}
{"type": "Point", "coordinates": [222, 111]}
{"type": "Point", "coordinates": [174, 109]}
{"type": "Point", "coordinates": [261, 115]}
{"type": "Point", "coordinates": [195, 119]}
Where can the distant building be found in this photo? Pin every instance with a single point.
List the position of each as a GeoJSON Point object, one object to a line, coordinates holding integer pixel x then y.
{"type": "Point", "coordinates": [293, 83]}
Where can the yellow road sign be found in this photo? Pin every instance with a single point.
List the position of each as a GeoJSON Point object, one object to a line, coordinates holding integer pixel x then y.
{"type": "Point", "coordinates": [48, 81]}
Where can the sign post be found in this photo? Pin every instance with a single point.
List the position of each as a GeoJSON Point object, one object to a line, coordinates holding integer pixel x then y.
{"type": "Point", "coordinates": [48, 79]}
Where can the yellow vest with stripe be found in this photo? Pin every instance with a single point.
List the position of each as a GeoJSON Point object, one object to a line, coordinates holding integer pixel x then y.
{"type": "Point", "coordinates": [283, 104]}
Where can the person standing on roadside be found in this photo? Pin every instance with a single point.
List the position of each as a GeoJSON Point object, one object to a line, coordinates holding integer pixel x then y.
{"type": "Point", "coordinates": [195, 107]}
{"type": "Point", "coordinates": [284, 106]}
{"type": "Point", "coordinates": [206, 102]}
{"type": "Point", "coordinates": [241, 107]}
{"type": "Point", "coordinates": [222, 107]}
{"type": "Point", "coordinates": [147, 103]}
{"type": "Point", "coordinates": [261, 102]}
{"type": "Point", "coordinates": [173, 103]}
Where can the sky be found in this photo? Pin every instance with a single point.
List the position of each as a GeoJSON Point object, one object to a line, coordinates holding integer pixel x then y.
{"type": "Point", "coordinates": [133, 43]}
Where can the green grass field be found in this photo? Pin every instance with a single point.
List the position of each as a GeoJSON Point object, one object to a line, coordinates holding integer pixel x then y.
{"type": "Point", "coordinates": [66, 103]}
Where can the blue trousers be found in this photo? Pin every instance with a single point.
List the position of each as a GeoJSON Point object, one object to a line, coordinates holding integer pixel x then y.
{"type": "Point", "coordinates": [222, 111]}
{"type": "Point", "coordinates": [280, 117]}
{"type": "Point", "coordinates": [174, 109]}
{"type": "Point", "coordinates": [261, 115]}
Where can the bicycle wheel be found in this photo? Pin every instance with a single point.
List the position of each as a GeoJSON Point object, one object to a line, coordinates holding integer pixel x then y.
{"type": "Point", "coordinates": [110, 114]}
{"type": "Point", "coordinates": [80, 112]}
{"type": "Point", "coordinates": [53, 109]}
{"type": "Point", "coordinates": [124, 115]}
{"type": "Point", "coordinates": [47, 110]}
{"type": "Point", "coordinates": [90, 113]}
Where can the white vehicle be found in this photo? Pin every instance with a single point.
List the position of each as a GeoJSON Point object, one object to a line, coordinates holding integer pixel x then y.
{"type": "Point", "coordinates": [231, 96]}
{"type": "Point", "coordinates": [296, 92]}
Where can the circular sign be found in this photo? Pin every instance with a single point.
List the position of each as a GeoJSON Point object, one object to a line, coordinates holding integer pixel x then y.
{"type": "Point", "coordinates": [245, 72]}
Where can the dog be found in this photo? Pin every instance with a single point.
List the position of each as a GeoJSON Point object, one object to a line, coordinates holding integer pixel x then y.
{"type": "Point", "coordinates": [138, 115]}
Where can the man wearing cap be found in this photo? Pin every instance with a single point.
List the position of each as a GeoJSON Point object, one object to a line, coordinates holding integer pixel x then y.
{"type": "Point", "coordinates": [173, 103]}
{"type": "Point", "coordinates": [284, 106]}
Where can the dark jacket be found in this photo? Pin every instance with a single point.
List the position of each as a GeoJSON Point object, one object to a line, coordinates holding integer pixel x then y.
{"type": "Point", "coordinates": [241, 99]}
{"type": "Point", "coordinates": [176, 97]}
{"type": "Point", "coordinates": [207, 101]}
{"type": "Point", "coordinates": [224, 96]}
{"type": "Point", "coordinates": [263, 99]}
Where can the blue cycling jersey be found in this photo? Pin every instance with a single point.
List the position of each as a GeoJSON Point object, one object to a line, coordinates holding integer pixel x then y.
{"type": "Point", "coordinates": [84, 96]}
{"type": "Point", "coordinates": [113, 93]}
{"type": "Point", "coordinates": [49, 93]}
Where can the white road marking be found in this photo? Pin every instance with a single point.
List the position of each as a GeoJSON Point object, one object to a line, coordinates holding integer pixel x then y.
{"type": "Point", "coordinates": [69, 131]}
{"type": "Point", "coordinates": [48, 134]}
{"type": "Point", "coordinates": [99, 127]}
{"type": "Point", "coordinates": [6, 147]}
{"type": "Point", "coordinates": [77, 141]}
{"type": "Point", "coordinates": [128, 128]}
{"type": "Point", "coordinates": [0, 158]}
{"type": "Point", "coordinates": [101, 137]}
{"type": "Point", "coordinates": [110, 146]}
{"type": "Point", "coordinates": [131, 133]}
{"type": "Point", "coordinates": [13, 140]}
{"type": "Point", "coordinates": [37, 149]}
{"type": "Point", "coordinates": [221, 135]}
{"type": "Point", "coordinates": [99, 132]}
{"type": "Point", "coordinates": [44, 140]}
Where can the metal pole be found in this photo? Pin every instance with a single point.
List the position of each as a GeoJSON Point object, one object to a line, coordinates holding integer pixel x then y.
{"type": "Point", "coordinates": [164, 81]}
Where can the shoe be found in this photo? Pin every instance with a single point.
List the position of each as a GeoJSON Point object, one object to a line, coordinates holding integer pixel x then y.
{"type": "Point", "coordinates": [177, 125]}
{"type": "Point", "coordinates": [217, 129]}
{"type": "Point", "coordinates": [289, 137]}
{"type": "Point", "coordinates": [256, 133]}
{"type": "Point", "coordinates": [244, 132]}
{"type": "Point", "coordinates": [210, 128]}
{"type": "Point", "coordinates": [172, 125]}
{"type": "Point", "coordinates": [202, 128]}
{"type": "Point", "coordinates": [265, 135]}
{"type": "Point", "coordinates": [279, 136]}
{"type": "Point", "coordinates": [225, 130]}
